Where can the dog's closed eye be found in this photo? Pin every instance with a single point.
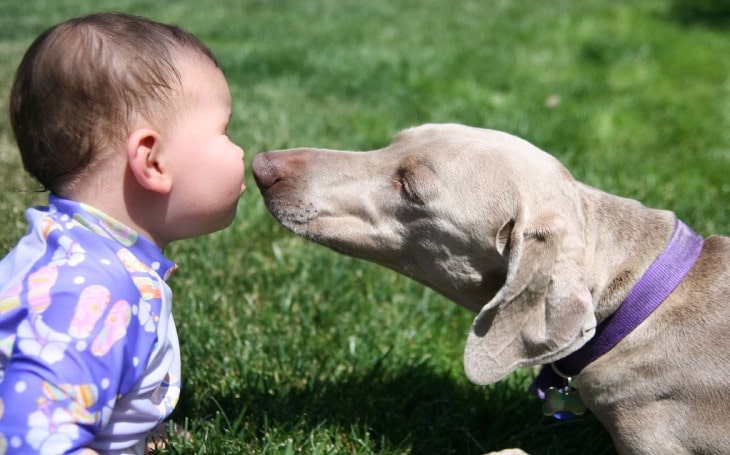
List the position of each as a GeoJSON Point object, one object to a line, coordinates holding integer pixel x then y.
{"type": "Point", "coordinates": [415, 180]}
{"type": "Point", "coordinates": [404, 181]}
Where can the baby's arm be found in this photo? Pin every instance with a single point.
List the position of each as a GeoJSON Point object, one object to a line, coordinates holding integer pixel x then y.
{"type": "Point", "coordinates": [49, 395]}
{"type": "Point", "coordinates": [69, 365]}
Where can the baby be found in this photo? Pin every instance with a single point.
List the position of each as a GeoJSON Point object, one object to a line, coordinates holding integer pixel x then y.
{"type": "Point", "coordinates": [124, 121]}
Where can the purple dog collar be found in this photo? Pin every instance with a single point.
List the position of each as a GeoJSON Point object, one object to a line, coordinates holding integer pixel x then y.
{"type": "Point", "coordinates": [655, 285]}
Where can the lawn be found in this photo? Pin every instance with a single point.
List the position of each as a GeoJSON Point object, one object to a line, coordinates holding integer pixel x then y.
{"type": "Point", "coordinates": [290, 348]}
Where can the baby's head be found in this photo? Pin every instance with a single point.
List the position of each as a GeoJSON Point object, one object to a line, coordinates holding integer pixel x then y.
{"type": "Point", "coordinates": [83, 83]}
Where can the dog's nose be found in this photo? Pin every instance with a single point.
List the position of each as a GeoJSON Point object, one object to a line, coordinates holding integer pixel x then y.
{"type": "Point", "coordinates": [264, 170]}
{"type": "Point", "coordinates": [275, 166]}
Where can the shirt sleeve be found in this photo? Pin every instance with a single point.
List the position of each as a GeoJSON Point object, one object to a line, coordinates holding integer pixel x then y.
{"type": "Point", "coordinates": [74, 354]}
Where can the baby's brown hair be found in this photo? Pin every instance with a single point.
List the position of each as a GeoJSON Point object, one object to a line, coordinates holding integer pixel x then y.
{"type": "Point", "coordinates": [81, 83]}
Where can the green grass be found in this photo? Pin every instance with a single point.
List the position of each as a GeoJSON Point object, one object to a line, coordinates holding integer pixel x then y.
{"type": "Point", "coordinates": [290, 348]}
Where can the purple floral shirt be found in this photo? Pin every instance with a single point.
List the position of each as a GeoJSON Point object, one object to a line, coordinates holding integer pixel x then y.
{"type": "Point", "coordinates": [89, 355]}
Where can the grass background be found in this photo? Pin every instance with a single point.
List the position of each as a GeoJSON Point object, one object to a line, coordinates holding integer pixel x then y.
{"type": "Point", "coordinates": [289, 348]}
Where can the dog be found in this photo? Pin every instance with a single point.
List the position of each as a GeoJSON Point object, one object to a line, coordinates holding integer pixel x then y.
{"type": "Point", "coordinates": [626, 300]}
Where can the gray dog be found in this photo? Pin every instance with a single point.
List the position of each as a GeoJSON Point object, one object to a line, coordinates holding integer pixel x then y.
{"type": "Point", "coordinates": [626, 300]}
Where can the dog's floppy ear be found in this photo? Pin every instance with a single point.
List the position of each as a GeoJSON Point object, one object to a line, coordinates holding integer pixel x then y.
{"type": "Point", "coordinates": [543, 311]}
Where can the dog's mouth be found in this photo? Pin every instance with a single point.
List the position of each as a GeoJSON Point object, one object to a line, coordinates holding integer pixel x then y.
{"type": "Point", "coordinates": [293, 216]}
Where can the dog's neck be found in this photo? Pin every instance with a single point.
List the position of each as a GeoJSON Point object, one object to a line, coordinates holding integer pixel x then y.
{"type": "Point", "coordinates": [655, 285]}
{"type": "Point", "coordinates": [617, 256]}
{"type": "Point", "coordinates": [661, 278]}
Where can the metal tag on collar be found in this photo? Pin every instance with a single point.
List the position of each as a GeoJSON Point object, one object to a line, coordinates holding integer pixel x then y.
{"type": "Point", "coordinates": [563, 402]}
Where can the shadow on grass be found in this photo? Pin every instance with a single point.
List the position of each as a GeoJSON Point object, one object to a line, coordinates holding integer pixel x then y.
{"type": "Point", "coordinates": [415, 411]}
{"type": "Point", "coordinates": [713, 13]}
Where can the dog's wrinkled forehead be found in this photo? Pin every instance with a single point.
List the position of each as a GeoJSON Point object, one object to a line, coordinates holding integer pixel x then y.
{"type": "Point", "coordinates": [443, 143]}
{"type": "Point", "coordinates": [435, 131]}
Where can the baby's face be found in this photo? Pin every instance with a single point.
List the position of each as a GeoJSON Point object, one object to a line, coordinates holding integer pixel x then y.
{"type": "Point", "coordinates": [206, 167]}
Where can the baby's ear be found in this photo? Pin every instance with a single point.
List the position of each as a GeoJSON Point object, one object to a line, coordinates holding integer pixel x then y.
{"type": "Point", "coordinates": [147, 161]}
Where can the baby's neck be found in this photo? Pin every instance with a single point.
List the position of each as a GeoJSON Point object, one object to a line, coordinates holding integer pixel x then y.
{"type": "Point", "coordinates": [127, 203]}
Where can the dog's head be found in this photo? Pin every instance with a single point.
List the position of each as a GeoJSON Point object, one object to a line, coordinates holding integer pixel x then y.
{"type": "Point", "coordinates": [480, 216]}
